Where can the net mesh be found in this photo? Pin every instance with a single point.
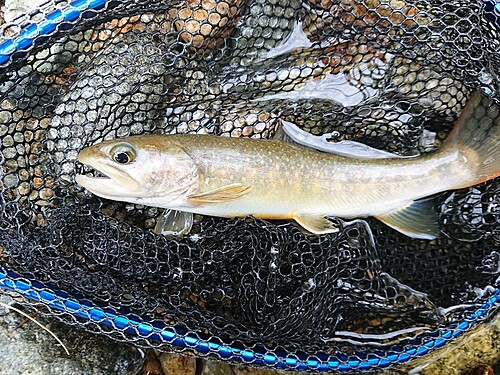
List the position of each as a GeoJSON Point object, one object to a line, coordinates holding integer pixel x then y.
{"type": "Point", "coordinates": [391, 74]}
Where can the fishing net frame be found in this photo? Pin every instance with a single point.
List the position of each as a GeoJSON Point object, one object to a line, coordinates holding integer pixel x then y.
{"type": "Point", "coordinates": [46, 26]}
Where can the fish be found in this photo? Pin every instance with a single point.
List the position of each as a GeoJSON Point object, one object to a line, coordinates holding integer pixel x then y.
{"type": "Point", "coordinates": [273, 179]}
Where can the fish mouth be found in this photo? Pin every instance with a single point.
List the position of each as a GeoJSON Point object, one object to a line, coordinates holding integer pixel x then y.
{"type": "Point", "coordinates": [112, 182]}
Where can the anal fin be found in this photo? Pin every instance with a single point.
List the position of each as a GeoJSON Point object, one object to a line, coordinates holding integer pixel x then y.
{"type": "Point", "coordinates": [316, 224]}
{"type": "Point", "coordinates": [417, 220]}
{"type": "Point", "coordinates": [220, 195]}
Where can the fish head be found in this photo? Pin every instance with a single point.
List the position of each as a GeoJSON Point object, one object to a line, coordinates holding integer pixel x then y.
{"type": "Point", "coordinates": [147, 170]}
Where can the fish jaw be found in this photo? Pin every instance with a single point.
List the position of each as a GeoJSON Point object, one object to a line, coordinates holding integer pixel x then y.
{"type": "Point", "coordinates": [105, 187]}
{"type": "Point", "coordinates": [116, 183]}
{"type": "Point", "coordinates": [108, 189]}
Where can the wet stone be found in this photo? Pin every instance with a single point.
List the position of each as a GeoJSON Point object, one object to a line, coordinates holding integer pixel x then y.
{"type": "Point", "coordinates": [46, 193]}
{"type": "Point", "coordinates": [216, 368]}
{"type": "Point", "coordinates": [75, 143]}
{"type": "Point", "coordinates": [62, 144]}
{"type": "Point", "coordinates": [40, 135]}
{"type": "Point", "coordinates": [24, 174]}
{"type": "Point", "coordinates": [33, 195]}
{"type": "Point", "coordinates": [24, 188]}
{"type": "Point", "coordinates": [11, 180]}
{"type": "Point", "coordinates": [173, 364]}
{"type": "Point", "coordinates": [9, 153]}
{"type": "Point", "coordinates": [10, 166]}
{"type": "Point", "coordinates": [18, 137]}
{"type": "Point", "coordinates": [5, 118]}
{"type": "Point", "coordinates": [42, 203]}
{"type": "Point", "coordinates": [21, 150]}
{"type": "Point", "coordinates": [28, 136]}
{"type": "Point", "coordinates": [26, 348]}
{"type": "Point", "coordinates": [8, 141]}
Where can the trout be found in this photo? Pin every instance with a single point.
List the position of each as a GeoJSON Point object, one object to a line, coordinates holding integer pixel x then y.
{"type": "Point", "coordinates": [273, 179]}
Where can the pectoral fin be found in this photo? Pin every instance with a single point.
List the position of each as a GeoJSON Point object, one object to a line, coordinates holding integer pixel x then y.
{"type": "Point", "coordinates": [173, 223]}
{"type": "Point", "coordinates": [316, 224]}
{"type": "Point", "coordinates": [220, 195]}
{"type": "Point", "coordinates": [417, 220]}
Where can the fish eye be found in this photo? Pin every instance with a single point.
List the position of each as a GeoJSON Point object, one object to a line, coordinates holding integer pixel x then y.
{"type": "Point", "coordinates": [123, 153]}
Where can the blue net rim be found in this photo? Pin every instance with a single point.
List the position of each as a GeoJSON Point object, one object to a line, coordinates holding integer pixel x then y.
{"type": "Point", "coordinates": [16, 47]}
{"type": "Point", "coordinates": [162, 333]}
{"type": "Point", "coordinates": [25, 39]}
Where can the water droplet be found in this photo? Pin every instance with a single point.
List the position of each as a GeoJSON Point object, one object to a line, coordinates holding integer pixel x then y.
{"type": "Point", "coordinates": [309, 285]}
{"type": "Point", "coordinates": [485, 77]}
{"type": "Point", "coordinates": [335, 135]}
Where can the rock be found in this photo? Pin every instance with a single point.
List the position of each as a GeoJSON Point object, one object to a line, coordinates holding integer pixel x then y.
{"type": "Point", "coordinates": [27, 349]}
{"type": "Point", "coordinates": [152, 364]}
{"type": "Point", "coordinates": [15, 8]}
{"type": "Point", "coordinates": [482, 370]}
{"type": "Point", "coordinates": [175, 364]}
{"type": "Point", "coordinates": [216, 368]}
{"type": "Point", "coordinates": [244, 370]}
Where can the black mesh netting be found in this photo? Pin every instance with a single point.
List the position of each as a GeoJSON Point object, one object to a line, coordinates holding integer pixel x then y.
{"type": "Point", "coordinates": [392, 74]}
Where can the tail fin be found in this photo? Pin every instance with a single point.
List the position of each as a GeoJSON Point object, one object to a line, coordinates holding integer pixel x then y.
{"type": "Point", "coordinates": [478, 130]}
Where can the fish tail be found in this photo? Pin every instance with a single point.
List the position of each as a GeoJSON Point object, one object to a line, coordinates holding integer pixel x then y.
{"type": "Point", "coordinates": [477, 136]}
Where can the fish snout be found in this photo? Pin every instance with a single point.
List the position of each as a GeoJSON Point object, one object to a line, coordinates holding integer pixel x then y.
{"type": "Point", "coordinates": [85, 155]}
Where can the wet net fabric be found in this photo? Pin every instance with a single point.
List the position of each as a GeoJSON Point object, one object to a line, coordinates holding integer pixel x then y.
{"type": "Point", "coordinates": [391, 74]}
